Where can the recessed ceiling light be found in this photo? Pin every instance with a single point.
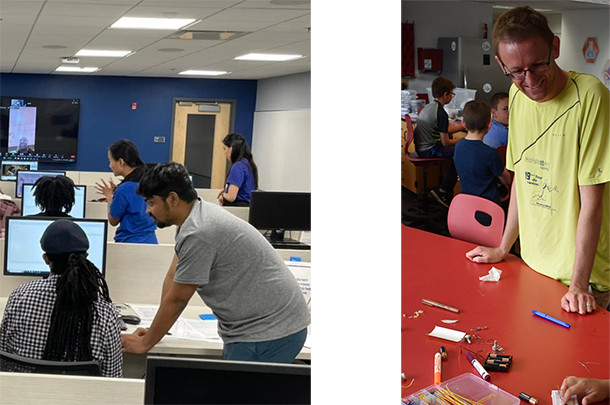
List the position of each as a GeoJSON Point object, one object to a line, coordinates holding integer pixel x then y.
{"type": "Point", "coordinates": [54, 46]}
{"type": "Point", "coordinates": [153, 23]}
{"type": "Point", "coordinates": [203, 72]}
{"type": "Point", "coordinates": [77, 69]}
{"type": "Point", "coordinates": [268, 57]}
{"type": "Point", "coordinates": [107, 54]}
{"type": "Point", "coordinates": [170, 50]}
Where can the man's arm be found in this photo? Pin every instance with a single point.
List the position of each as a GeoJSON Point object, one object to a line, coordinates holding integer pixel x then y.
{"type": "Point", "coordinates": [169, 277]}
{"type": "Point", "coordinates": [172, 305]}
{"type": "Point", "coordinates": [483, 254]}
{"type": "Point", "coordinates": [174, 298]}
{"type": "Point", "coordinates": [587, 236]}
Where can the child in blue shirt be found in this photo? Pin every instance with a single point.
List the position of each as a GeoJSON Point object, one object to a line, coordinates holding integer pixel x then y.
{"type": "Point", "coordinates": [498, 133]}
{"type": "Point", "coordinates": [477, 164]}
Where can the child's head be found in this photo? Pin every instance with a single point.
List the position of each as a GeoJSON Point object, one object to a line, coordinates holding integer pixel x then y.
{"type": "Point", "coordinates": [477, 116]}
{"type": "Point", "coordinates": [499, 108]}
{"type": "Point", "coordinates": [442, 88]}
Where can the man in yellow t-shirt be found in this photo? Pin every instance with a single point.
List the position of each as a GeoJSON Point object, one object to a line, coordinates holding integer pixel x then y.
{"type": "Point", "coordinates": [558, 148]}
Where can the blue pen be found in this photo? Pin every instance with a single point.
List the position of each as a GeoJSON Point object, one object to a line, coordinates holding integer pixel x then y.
{"type": "Point", "coordinates": [550, 318]}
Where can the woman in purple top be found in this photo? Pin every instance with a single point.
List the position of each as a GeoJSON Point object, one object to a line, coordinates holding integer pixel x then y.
{"type": "Point", "coordinates": [243, 176]}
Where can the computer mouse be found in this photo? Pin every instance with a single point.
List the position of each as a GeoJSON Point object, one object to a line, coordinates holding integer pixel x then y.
{"type": "Point", "coordinates": [130, 319]}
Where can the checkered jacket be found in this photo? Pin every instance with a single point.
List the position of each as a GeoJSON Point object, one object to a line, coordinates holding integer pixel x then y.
{"type": "Point", "coordinates": [27, 319]}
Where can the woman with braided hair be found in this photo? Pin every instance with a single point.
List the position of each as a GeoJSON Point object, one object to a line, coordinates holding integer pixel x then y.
{"type": "Point", "coordinates": [69, 316]}
{"type": "Point", "coordinates": [125, 207]}
{"type": "Point", "coordinates": [54, 196]}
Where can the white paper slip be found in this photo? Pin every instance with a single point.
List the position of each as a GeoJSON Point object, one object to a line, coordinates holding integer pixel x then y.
{"type": "Point", "coordinates": [556, 397]}
{"type": "Point", "coordinates": [448, 334]}
{"type": "Point", "coordinates": [145, 312]}
{"type": "Point", "coordinates": [493, 275]}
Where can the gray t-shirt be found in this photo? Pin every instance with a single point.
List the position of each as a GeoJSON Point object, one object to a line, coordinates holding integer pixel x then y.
{"type": "Point", "coordinates": [240, 276]}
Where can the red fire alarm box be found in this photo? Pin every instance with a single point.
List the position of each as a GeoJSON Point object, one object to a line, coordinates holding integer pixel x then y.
{"type": "Point", "coordinates": [430, 60]}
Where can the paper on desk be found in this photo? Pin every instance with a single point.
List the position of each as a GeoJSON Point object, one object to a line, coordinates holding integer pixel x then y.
{"type": "Point", "coordinates": [145, 312]}
{"type": "Point", "coordinates": [191, 329]}
{"type": "Point", "coordinates": [449, 334]}
{"type": "Point", "coordinates": [494, 275]}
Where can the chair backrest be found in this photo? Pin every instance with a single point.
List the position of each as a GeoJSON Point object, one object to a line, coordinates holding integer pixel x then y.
{"type": "Point", "coordinates": [502, 151]}
{"type": "Point", "coordinates": [410, 133]}
{"type": "Point", "coordinates": [463, 224]}
{"type": "Point", "coordinates": [15, 363]}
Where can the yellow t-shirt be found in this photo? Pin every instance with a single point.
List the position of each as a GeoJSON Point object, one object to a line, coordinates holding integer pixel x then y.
{"type": "Point", "coordinates": [554, 147]}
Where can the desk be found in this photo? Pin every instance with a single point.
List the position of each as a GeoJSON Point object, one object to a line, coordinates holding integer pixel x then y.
{"type": "Point", "coordinates": [435, 267]}
{"type": "Point", "coordinates": [134, 366]}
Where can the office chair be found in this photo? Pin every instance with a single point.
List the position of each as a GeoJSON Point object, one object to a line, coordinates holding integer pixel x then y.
{"type": "Point", "coordinates": [463, 224]}
{"type": "Point", "coordinates": [19, 364]}
{"type": "Point", "coordinates": [426, 214]}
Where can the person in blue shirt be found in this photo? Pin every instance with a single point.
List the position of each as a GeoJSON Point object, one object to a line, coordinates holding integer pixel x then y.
{"type": "Point", "coordinates": [477, 164]}
{"type": "Point", "coordinates": [243, 176]}
{"type": "Point", "coordinates": [498, 133]}
{"type": "Point", "coordinates": [125, 207]}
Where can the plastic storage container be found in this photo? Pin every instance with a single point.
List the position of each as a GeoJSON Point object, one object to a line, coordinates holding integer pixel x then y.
{"type": "Point", "coordinates": [466, 385]}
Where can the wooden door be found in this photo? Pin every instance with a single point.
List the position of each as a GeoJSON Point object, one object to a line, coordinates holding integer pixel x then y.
{"type": "Point", "coordinates": [218, 123]}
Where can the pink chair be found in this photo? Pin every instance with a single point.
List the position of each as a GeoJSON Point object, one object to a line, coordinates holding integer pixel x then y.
{"type": "Point", "coordinates": [463, 224]}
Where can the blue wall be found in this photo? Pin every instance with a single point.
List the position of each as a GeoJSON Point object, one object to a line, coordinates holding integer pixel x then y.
{"type": "Point", "coordinates": [106, 115]}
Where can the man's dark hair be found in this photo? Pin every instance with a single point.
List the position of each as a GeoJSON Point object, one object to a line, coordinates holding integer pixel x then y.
{"type": "Point", "coordinates": [165, 178]}
{"type": "Point", "coordinates": [77, 289]}
{"type": "Point", "coordinates": [477, 115]}
{"type": "Point", "coordinates": [54, 194]}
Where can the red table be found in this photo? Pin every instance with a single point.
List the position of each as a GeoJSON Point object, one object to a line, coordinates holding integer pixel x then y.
{"type": "Point", "coordinates": [544, 353]}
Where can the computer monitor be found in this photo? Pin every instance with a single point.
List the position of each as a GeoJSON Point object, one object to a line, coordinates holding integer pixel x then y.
{"type": "Point", "coordinates": [280, 211]}
{"type": "Point", "coordinates": [30, 177]}
{"type": "Point", "coordinates": [22, 251]}
{"type": "Point", "coordinates": [173, 380]}
{"type": "Point", "coordinates": [29, 207]}
{"type": "Point", "coordinates": [9, 168]}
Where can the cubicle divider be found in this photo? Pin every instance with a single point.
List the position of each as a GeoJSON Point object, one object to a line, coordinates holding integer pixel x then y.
{"type": "Point", "coordinates": [34, 389]}
{"type": "Point", "coordinates": [134, 272]}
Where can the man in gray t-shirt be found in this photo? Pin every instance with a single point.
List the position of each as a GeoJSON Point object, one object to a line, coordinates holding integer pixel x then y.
{"type": "Point", "coordinates": [262, 315]}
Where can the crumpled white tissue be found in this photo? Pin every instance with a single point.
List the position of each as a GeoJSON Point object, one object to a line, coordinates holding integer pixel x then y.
{"type": "Point", "coordinates": [494, 275]}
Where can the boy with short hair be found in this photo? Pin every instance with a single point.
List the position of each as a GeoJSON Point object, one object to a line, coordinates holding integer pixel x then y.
{"type": "Point", "coordinates": [477, 164]}
{"type": "Point", "coordinates": [432, 135]}
{"type": "Point", "coordinates": [498, 133]}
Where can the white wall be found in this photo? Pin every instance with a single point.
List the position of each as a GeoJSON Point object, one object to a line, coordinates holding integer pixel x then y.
{"type": "Point", "coordinates": [281, 139]}
{"type": "Point", "coordinates": [577, 26]}
{"type": "Point", "coordinates": [438, 19]}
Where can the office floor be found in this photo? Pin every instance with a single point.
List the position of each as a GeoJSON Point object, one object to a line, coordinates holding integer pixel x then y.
{"type": "Point", "coordinates": [414, 215]}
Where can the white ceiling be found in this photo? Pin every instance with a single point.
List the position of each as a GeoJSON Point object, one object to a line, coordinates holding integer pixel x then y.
{"type": "Point", "coordinates": [27, 26]}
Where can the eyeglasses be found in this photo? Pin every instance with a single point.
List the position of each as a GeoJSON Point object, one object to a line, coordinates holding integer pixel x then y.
{"type": "Point", "coordinates": [453, 94]}
{"type": "Point", "coordinates": [535, 69]}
